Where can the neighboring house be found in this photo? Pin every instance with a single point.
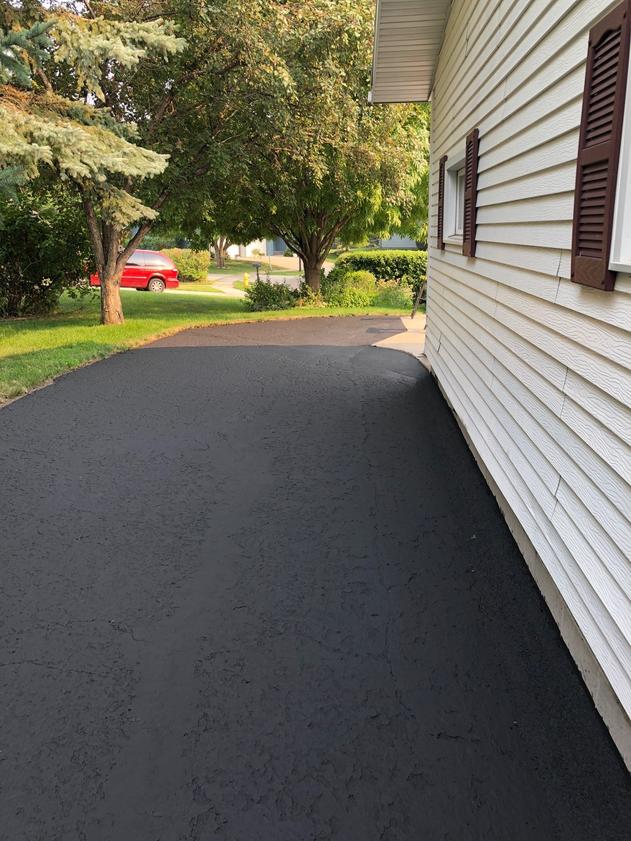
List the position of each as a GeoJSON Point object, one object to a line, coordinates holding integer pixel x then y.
{"type": "Point", "coordinates": [529, 299]}
{"type": "Point", "coordinates": [275, 246]}
{"type": "Point", "coordinates": [259, 248]}
{"type": "Point", "coordinates": [397, 242]}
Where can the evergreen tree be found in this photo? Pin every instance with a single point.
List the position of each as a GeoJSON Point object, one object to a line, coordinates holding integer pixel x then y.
{"type": "Point", "coordinates": [50, 97]}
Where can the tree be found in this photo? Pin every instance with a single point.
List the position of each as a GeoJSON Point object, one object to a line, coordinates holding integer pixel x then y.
{"type": "Point", "coordinates": [136, 117]}
{"type": "Point", "coordinates": [229, 219]}
{"type": "Point", "coordinates": [328, 165]}
{"type": "Point", "coordinates": [50, 121]}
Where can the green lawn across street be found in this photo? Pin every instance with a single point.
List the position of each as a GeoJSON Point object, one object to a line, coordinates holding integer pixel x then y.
{"type": "Point", "coordinates": [237, 268]}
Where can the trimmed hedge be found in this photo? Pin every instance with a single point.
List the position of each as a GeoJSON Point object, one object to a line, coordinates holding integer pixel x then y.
{"type": "Point", "coordinates": [406, 267]}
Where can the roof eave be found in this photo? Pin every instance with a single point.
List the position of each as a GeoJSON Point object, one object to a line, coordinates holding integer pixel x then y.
{"type": "Point", "coordinates": [405, 73]}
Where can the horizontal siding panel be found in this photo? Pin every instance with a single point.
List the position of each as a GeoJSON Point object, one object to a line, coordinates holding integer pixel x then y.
{"type": "Point", "coordinates": [609, 342]}
{"type": "Point", "coordinates": [611, 494]}
{"type": "Point", "coordinates": [600, 488]}
{"type": "Point", "coordinates": [477, 79]}
{"type": "Point", "coordinates": [515, 277]}
{"type": "Point", "coordinates": [515, 119]}
{"type": "Point", "coordinates": [556, 152]}
{"type": "Point", "coordinates": [575, 461]}
{"type": "Point", "coordinates": [543, 208]}
{"type": "Point", "coordinates": [559, 179]}
{"type": "Point", "coordinates": [602, 441]}
{"type": "Point", "coordinates": [493, 430]}
{"type": "Point", "coordinates": [516, 444]}
{"type": "Point", "coordinates": [537, 234]}
{"type": "Point", "coordinates": [617, 563]}
{"type": "Point", "coordinates": [475, 304]}
{"type": "Point", "coordinates": [611, 608]}
{"type": "Point", "coordinates": [607, 375]}
{"type": "Point", "coordinates": [542, 261]}
{"type": "Point", "coordinates": [614, 308]}
{"type": "Point", "coordinates": [612, 414]}
{"type": "Point", "coordinates": [516, 59]}
{"type": "Point", "coordinates": [556, 124]}
{"type": "Point", "coordinates": [507, 349]}
{"type": "Point", "coordinates": [474, 25]}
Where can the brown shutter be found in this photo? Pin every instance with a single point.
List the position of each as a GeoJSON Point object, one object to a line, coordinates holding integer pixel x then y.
{"type": "Point", "coordinates": [440, 226]}
{"type": "Point", "coordinates": [470, 193]}
{"type": "Point", "coordinates": [599, 149]}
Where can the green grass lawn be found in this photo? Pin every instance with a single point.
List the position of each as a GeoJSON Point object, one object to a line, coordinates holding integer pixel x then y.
{"type": "Point", "coordinates": [199, 287]}
{"type": "Point", "coordinates": [34, 350]}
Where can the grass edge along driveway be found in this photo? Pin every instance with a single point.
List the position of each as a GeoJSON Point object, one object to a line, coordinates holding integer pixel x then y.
{"type": "Point", "coordinates": [34, 351]}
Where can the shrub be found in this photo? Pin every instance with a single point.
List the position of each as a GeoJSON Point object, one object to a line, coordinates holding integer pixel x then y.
{"type": "Point", "coordinates": [350, 289]}
{"type": "Point", "coordinates": [191, 265]}
{"type": "Point", "coordinates": [288, 253]}
{"type": "Point", "coordinates": [409, 268]}
{"type": "Point", "coordinates": [44, 250]}
{"type": "Point", "coordinates": [308, 298]}
{"type": "Point", "coordinates": [265, 295]}
{"type": "Point", "coordinates": [390, 293]}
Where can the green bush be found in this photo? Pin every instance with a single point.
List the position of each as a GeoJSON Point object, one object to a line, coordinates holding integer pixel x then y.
{"type": "Point", "coordinates": [308, 298]}
{"type": "Point", "coordinates": [191, 265]}
{"type": "Point", "coordinates": [409, 268]}
{"type": "Point", "coordinates": [390, 293]}
{"type": "Point", "coordinates": [350, 289]}
{"type": "Point", "coordinates": [44, 250]}
{"type": "Point", "coordinates": [265, 295]}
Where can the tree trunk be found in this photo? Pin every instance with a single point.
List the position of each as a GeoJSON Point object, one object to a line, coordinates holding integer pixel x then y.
{"type": "Point", "coordinates": [110, 262]}
{"type": "Point", "coordinates": [313, 270]}
{"type": "Point", "coordinates": [111, 304]}
{"type": "Point", "coordinates": [221, 248]}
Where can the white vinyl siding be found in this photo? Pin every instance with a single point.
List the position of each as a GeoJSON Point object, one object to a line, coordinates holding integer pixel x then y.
{"type": "Point", "coordinates": [537, 368]}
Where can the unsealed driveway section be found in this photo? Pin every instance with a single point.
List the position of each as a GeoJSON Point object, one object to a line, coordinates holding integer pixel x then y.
{"type": "Point", "coordinates": [255, 589]}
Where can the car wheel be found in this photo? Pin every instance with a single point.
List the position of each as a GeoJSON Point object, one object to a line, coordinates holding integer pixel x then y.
{"type": "Point", "coordinates": [155, 285]}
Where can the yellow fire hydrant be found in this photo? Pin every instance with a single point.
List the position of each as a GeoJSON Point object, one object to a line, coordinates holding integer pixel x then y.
{"type": "Point", "coordinates": [246, 280]}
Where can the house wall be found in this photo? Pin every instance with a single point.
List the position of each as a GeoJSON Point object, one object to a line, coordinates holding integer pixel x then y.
{"type": "Point", "coordinates": [537, 368]}
{"type": "Point", "coordinates": [396, 242]}
{"type": "Point", "coordinates": [255, 248]}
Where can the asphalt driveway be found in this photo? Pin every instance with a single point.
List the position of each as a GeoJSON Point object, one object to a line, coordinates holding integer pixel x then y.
{"type": "Point", "coordinates": [254, 588]}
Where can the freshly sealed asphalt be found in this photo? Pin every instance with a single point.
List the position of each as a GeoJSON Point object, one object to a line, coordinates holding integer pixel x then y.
{"type": "Point", "coordinates": [254, 588]}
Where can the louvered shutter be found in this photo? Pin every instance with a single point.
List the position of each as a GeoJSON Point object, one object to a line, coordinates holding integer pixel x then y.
{"type": "Point", "coordinates": [440, 225]}
{"type": "Point", "coordinates": [470, 194]}
{"type": "Point", "coordinates": [599, 149]}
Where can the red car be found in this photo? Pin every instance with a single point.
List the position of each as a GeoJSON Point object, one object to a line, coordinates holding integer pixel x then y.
{"type": "Point", "coordinates": [149, 271]}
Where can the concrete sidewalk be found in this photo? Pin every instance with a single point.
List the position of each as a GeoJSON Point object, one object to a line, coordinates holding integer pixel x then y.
{"type": "Point", "coordinates": [411, 340]}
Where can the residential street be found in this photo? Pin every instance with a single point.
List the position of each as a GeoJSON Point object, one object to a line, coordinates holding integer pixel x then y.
{"type": "Point", "coordinates": [254, 588]}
